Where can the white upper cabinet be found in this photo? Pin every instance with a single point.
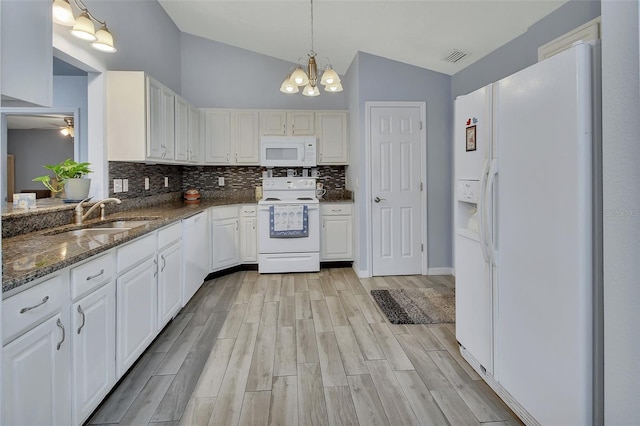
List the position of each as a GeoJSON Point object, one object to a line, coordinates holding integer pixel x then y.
{"type": "Point", "coordinates": [231, 137]}
{"type": "Point", "coordinates": [194, 135]}
{"type": "Point", "coordinates": [26, 53]}
{"type": "Point", "coordinates": [333, 139]}
{"type": "Point", "coordinates": [146, 121]}
{"type": "Point", "coordinates": [287, 123]}
{"type": "Point", "coordinates": [182, 123]}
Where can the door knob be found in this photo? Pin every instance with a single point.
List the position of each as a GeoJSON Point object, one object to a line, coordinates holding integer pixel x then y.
{"type": "Point", "coordinates": [378, 199]}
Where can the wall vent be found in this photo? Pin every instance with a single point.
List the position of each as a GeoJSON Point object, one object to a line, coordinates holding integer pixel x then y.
{"type": "Point", "coordinates": [455, 56]}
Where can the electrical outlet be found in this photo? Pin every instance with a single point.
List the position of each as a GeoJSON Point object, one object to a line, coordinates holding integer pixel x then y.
{"type": "Point", "coordinates": [117, 185]}
{"type": "Point", "coordinates": [146, 183]}
{"type": "Point", "coordinates": [221, 181]}
{"type": "Point", "coordinates": [166, 182]}
{"type": "Point", "coordinates": [125, 185]}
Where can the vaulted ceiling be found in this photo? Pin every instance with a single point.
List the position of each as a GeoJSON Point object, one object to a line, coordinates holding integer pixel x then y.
{"type": "Point", "coordinates": [420, 33]}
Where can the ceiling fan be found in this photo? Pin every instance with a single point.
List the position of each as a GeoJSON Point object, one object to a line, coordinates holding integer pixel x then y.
{"type": "Point", "coordinates": [67, 130]}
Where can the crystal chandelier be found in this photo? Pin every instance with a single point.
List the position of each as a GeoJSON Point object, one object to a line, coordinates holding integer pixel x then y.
{"type": "Point", "coordinates": [308, 79]}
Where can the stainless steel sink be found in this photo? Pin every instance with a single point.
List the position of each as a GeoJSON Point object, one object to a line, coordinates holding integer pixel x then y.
{"type": "Point", "coordinates": [114, 226]}
{"type": "Point", "coordinates": [120, 224]}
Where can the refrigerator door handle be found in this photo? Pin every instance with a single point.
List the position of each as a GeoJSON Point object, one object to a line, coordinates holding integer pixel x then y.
{"type": "Point", "coordinates": [480, 209]}
{"type": "Point", "coordinates": [488, 231]}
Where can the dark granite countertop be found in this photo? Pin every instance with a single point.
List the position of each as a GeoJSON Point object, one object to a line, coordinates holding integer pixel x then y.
{"type": "Point", "coordinates": [30, 256]}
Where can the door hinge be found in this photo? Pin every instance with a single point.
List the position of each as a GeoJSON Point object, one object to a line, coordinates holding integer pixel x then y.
{"type": "Point", "coordinates": [422, 247]}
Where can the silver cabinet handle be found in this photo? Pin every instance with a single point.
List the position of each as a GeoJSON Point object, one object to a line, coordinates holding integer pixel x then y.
{"type": "Point", "coordinates": [27, 309]}
{"type": "Point", "coordinates": [236, 157]}
{"type": "Point", "coordinates": [59, 324]}
{"type": "Point", "coordinates": [164, 262]}
{"type": "Point", "coordinates": [378, 199]}
{"type": "Point", "coordinates": [81, 312]}
{"type": "Point", "coordinates": [236, 224]}
{"type": "Point", "coordinates": [293, 129]}
{"type": "Point", "coordinates": [90, 277]}
{"type": "Point", "coordinates": [284, 129]}
{"type": "Point", "coordinates": [155, 274]}
{"type": "Point", "coordinates": [227, 157]}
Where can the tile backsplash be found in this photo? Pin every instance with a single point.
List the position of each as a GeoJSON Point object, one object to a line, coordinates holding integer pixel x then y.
{"type": "Point", "coordinates": [204, 178]}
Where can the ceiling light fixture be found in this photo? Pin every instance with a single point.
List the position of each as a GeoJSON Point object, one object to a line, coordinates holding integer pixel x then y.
{"type": "Point", "coordinates": [68, 130]}
{"type": "Point", "coordinates": [308, 79]}
{"type": "Point", "coordinates": [83, 26]}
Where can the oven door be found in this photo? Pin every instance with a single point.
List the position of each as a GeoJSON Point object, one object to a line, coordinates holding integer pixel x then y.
{"type": "Point", "coordinates": [266, 244]}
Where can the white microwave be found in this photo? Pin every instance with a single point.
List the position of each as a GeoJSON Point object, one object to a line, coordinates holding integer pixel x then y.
{"type": "Point", "coordinates": [282, 151]}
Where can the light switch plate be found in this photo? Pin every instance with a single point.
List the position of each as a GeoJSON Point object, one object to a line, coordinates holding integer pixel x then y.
{"type": "Point", "coordinates": [117, 185]}
{"type": "Point", "coordinates": [221, 181]}
{"type": "Point", "coordinates": [166, 182]}
{"type": "Point", "coordinates": [125, 185]}
{"type": "Point", "coordinates": [146, 183]}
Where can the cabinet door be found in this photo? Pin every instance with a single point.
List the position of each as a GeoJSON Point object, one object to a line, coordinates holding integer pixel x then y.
{"type": "Point", "coordinates": [155, 127]}
{"type": "Point", "coordinates": [333, 146]}
{"type": "Point", "coordinates": [337, 238]}
{"type": "Point", "coordinates": [273, 123]}
{"type": "Point", "coordinates": [35, 376]}
{"type": "Point", "coordinates": [217, 137]}
{"type": "Point", "coordinates": [136, 313]}
{"type": "Point", "coordinates": [194, 135]}
{"type": "Point", "coordinates": [246, 137]}
{"type": "Point", "coordinates": [169, 283]}
{"type": "Point", "coordinates": [300, 123]}
{"type": "Point", "coordinates": [26, 53]}
{"type": "Point", "coordinates": [93, 336]}
{"type": "Point", "coordinates": [248, 240]}
{"type": "Point", "coordinates": [182, 123]}
{"type": "Point", "coordinates": [168, 117]}
{"type": "Point", "coordinates": [225, 239]}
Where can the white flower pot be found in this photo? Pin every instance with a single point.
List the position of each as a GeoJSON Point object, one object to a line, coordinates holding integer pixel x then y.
{"type": "Point", "coordinates": [77, 189]}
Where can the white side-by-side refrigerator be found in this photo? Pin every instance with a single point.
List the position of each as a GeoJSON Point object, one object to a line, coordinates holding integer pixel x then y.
{"type": "Point", "coordinates": [524, 236]}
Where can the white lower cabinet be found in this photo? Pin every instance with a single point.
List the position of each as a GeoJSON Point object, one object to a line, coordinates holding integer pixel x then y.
{"type": "Point", "coordinates": [248, 234]}
{"type": "Point", "coordinates": [225, 237]}
{"type": "Point", "coordinates": [136, 314]}
{"type": "Point", "coordinates": [35, 376]}
{"type": "Point", "coordinates": [169, 283]}
{"type": "Point", "coordinates": [93, 336]}
{"type": "Point", "coordinates": [336, 240]}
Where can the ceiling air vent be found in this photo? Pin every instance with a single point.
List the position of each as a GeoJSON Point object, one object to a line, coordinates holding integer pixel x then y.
{"type": "Point", "coordinates": [455, 56]}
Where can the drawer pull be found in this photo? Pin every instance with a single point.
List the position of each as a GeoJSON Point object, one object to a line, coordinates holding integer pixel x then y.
{"type": "Point", "coordinates": [44, 300]}
{"type": "Point", "coordinates": [155, 274]}
{"type": "Point", "coordinates": [336, 210]}
{"type": "Point", "coordinates": [89, 278]}
{"type": "Point", "coordinates": [81, 312]}
{"type": "Point", "coordinates": [59, 324]}
{"type": "Point", "coordinates": [164, 262]}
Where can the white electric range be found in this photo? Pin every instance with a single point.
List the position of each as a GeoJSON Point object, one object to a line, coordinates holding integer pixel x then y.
{"type": "Point", "coordinates": [295, 250]}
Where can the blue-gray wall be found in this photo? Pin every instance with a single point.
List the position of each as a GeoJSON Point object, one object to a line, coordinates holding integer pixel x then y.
{"type": "Point", "coordinates": [217, 75]}
{"type": "Point", "coordinates": [523, 50]}
{"type": "Point", "coordinates": [71, 92]}
{"type": "Point", "coordinates": [146, 38]}
{"type": "Point", "coordinates": [381, 79]}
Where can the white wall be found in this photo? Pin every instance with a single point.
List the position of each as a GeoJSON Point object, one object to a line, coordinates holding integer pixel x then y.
{"type": "Point", "coordinates": [621, 203]}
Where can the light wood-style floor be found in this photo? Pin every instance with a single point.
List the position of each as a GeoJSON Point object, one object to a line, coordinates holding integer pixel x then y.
{"type": "Point", "coordinates": [302, 349]}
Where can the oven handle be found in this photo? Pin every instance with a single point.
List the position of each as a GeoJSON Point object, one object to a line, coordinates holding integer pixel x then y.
{"type": "Point", "coordinates": [309, 207]}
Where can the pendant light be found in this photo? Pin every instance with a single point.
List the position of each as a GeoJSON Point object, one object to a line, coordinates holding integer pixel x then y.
{"type": "Point", "coordinates": [308, 79]}
{"type": "Point", "coordinates": [83, 26]}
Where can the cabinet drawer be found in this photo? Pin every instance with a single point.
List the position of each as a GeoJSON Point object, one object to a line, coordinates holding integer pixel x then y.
{"type": "Point", "coordinates": [169, 235]}
{"type": "Point", "coordinates": [335, 209]}
{"type": "Point", "coordinates": [32, 306]}
{"type": "Point", "coordinates": [92, 274]}
{"type": "Point", "coordinates": [136, 252]}
{"type": "Point", "coordinates": [230, 212]}
{"type": "Point", "coordinates": [248, 211]}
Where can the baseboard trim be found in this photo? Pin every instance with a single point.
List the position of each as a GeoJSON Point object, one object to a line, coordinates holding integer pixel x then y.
{"type": "Point", "coordinates": [439, 271]}
{"type": "Point", "coordinates": [361, 273]}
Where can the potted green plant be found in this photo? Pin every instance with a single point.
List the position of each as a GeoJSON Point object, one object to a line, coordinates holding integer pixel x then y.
{"type": "Point", "coordinates": [68, 175]}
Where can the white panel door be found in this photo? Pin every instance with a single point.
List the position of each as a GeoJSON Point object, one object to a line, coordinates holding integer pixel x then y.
{"type": "Point", "coordinates": [246, 131]}
{"type": "Point", "coordinates": [544, 318]}
{"type": "Point", "coordinates": [217, 137]}
{"type": "Point", "coordinates": [93, 329]}
{"type": "Point", "coordinates": [155, 128]}
{"type": "Point", "coordinates": [396, 153]}
{"type": "Point", "coordinates": [181, 129]}
{"type": "Point", "coordinates": [226, 243]}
